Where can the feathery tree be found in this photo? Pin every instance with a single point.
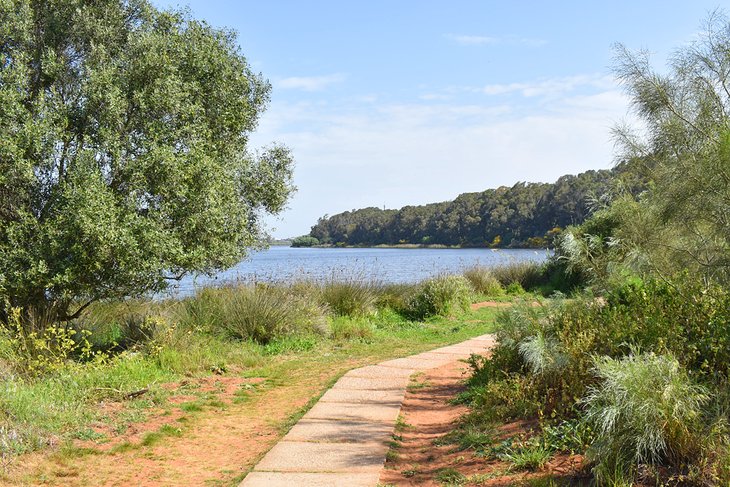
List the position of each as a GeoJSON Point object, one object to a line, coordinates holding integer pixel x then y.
{"type": "Point", "coordinates": [685, 220]}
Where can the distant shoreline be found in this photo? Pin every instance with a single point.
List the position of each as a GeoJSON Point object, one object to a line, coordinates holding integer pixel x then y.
{"type": "Point", "coordinates": [419, 246]}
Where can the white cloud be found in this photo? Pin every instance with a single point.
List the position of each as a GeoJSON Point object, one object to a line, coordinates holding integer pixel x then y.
{"type": "Point", "coordinates": [549, 86]}
{"type": "Point", "coordinates": [478, 40]}
{"type": "Point", "coordinates": [309, 83]}
{"type": "Point", "coordinates": [397, 154]}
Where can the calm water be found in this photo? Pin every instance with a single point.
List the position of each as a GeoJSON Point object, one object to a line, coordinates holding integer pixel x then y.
{"type": "Point", "coordinates": [284, 264]}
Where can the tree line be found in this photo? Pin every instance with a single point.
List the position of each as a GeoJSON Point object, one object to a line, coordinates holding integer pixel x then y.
{"type": "Point", "coordinates": [524, 215]}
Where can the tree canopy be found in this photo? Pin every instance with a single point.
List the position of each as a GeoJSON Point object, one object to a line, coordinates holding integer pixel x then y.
{"type": "Point", "coordinates": [123, 151]}
{"type": "Point", "coordinates": [683, 223]}
{"type": "Point", "coordinates": [524, 215]}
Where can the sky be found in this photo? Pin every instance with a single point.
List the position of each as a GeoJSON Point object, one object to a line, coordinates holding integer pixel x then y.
{"type": "Point", "coordinates": [390, 103]}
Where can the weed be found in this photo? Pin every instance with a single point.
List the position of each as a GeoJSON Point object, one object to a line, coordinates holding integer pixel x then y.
{"type": "Point", "coordinates": [483, 281]}
{"type": "Point", "coordinates": [351, 329]}
{"type": "Point", "coordinates": [191, 406]}
{"type": "Point", "coordinates": [123, 447]}
{"type": "Point", "coordinates": [528, 457]}
{"type": "Point", "coordinates": [646, 409]}
{"type": "Point", "coordinates": [450, 476]}
{"type": "Point", "coordinates": [441, 296]}
{"type": "Point", "coordinates": [525, 274]}
{"type": "Point", "coordinates": [349, 297]}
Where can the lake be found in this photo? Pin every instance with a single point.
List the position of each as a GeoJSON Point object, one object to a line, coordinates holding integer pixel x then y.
{"type": "Point", "coordinates": [286, 264]}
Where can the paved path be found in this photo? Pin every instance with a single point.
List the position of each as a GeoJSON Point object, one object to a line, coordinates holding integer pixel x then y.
{"type": "Point", "coordinates": [343, 439]}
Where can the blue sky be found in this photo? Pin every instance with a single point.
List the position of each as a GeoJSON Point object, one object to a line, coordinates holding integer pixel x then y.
{"type": "Point", "coordinates": [390, 103]}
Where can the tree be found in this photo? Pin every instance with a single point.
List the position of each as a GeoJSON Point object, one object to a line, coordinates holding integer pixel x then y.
{"type": "Point", "coordinates": [684, 223]}
{"type": "Point", "coordinates": [123, 152]}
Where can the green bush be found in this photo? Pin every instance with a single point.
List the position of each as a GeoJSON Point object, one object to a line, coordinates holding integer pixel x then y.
{"type": "Point", "coordinates": [351, 329]}
{"type": "Point", "coordinates": [515, 289]}
{"type": "Point", "coordinates": [441, 296]}
{"type": "Point", "coordinates": [260, 313]}
{"type": "Point", "coordinates": [646, 409]}
{"type": "Point", "coordinates": [528, 457]}
{"type": "Point", "coordinates": [395, 297]}
{"type": "Point", "coordinates": [527, 274]}
{"type": "Point", "coordinates": [305, 241]}
{"type": "Point", "coordinates": [349, 297]}
{"type": "Point", "coordinates": [483, 281]}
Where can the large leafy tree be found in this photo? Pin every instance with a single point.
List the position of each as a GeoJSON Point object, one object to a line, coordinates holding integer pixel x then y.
{"type": "Point", "coordinates": [123, 151]}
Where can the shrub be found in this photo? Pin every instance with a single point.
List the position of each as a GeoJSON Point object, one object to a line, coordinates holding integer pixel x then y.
{"type": "Point", "coordinates": [396, 297]}
{"type": "Point", "coordinates": [260, 313]}
{"type": "Point", "coordinates": [351, 329]}
{"type": "Point", "coordinates": [528, 457]}
{"type": "Point", "coordinates": [515, 288]}
{"type": "Point", "coordinates": [527, 274]}
{"type": "Point", "coordinates": [645, 410]}
{"type": "Point", "coordinates": [305, 241]}
{"type": "Point", "coordinates": [349, 297]}
{"type": "Point", "coordinates": [483, 282]}
{"type": "Point", "coordinates": [542, 354]}
{"type": "Point", "coordinates": [442, 296]}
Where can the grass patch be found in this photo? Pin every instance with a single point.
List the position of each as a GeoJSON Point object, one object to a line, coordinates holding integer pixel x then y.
{"type": "Point", "coordinates": [191, 406]}
{"type": "Point", "coordinates": [450, 476]}
{"type": "Point", "coordinates": [528, 457]}
{"type": "Point", "coordinates": [186, 342]}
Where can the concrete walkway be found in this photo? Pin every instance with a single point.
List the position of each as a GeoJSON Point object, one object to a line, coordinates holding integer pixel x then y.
{"type": "Point", "coordinates": [344, 438]}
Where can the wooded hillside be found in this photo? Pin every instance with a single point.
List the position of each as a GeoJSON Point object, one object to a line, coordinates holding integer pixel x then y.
{"type": "Point", "coordinates": [524, 215]}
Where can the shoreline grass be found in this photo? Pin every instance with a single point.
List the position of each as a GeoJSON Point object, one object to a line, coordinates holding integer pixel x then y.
{"type": "Point", "coordinates": [141, 346]}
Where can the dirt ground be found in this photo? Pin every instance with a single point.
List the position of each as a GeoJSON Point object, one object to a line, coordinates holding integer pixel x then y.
{"type": "Point", "coordinates": [417, 458]}
{"type": "Point", "coordinates": [215, 446]}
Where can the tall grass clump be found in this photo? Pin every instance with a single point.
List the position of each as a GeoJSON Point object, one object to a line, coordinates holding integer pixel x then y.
{"type": "Point", "coordinates": [483, 281]}
{"type": "Point", "coordinates": [527, 274]}
{"type": "Point", "coordinates": [260, 313]}
{"type": "Point", "coordinates": [350, 297]}
{"type": "Point", "coordinates": [441, 296]}
{"type": "Point", "coordinates": [646, 410]}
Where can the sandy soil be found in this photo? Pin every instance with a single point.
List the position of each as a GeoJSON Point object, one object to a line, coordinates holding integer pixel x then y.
{"type": "Point", "coordinates": [427, 414]}
{"type": "Point", "coordinates": [216, 447]}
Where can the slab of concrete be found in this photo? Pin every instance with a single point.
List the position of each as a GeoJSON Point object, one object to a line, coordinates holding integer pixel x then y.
{"type": "Point", "coordinates": [461, 350]}
{"type": "Point", "coordinates": [366, 383]}
{"type": "Point", "coordinates": [343, 439]}
{"type": "Point", "coordinates": [296, 456]}
{"type": "Point", "coordinates": [354, 411]}
{"type": "Point", "coordinates": [364, 396]}
{"type": "Point", "coordinates": [343, 431]}
{"type": "Point", "coordinates": [445, 356]}
{"type": "Point", "coordinates": [378, 372]}
{"type": "Point", "coordinates": [414, 363]}
{"type": "Point", "coordinates": [292, 479]}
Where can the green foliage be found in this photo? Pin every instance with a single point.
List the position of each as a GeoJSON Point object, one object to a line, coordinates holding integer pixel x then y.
{"type": "Point", "coordinates": [304, 241]}
{"type": "Point", "coordinates": [349, 329]}
{"type": "Point", "coordinates": [349, 297]}
{"type": "Point", "coordinates": [260, 313]}
{"type": "Point", "coordinates": [524, 215]}
{"type": "Point", "coordinates": [528, 457]}
{"type": "Point", "coordinates": [526, 275]}
{"type": "Point", "coordinates": [542, 354]}
{"type": "Point", "coordinates": [572, 436]}
{"type": "Point", "coordinates": [450, 476]}
{"type": "Point", "coordinates": [441, 296]}
{"type": "Point", "coordinates": [40, 352]}
{"type": "Point", "coordinates": [645, 409]}
{"type": "Point", "coordinates": [515, 289]}
{"type": "Point", "coordinates": [124, 154]}
{"type": "Point", "coordinates": [483, 281]}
